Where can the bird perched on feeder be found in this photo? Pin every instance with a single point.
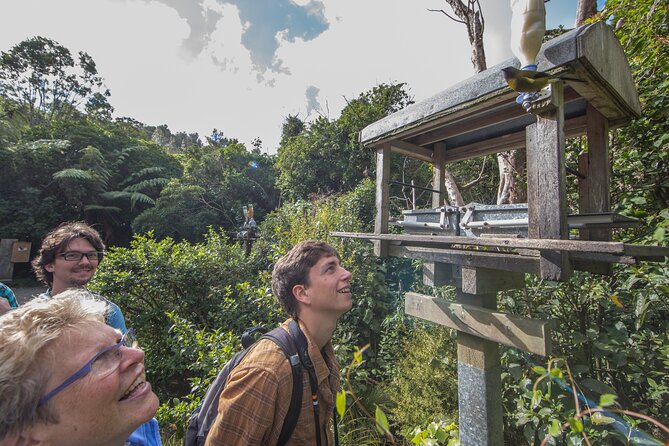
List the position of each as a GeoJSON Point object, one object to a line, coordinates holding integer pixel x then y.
{"type": "Point", "coordinates": [530, 81]}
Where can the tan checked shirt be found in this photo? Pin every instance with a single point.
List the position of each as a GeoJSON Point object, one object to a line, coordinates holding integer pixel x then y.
{"type": "Point", "coordinates": [255, 399]}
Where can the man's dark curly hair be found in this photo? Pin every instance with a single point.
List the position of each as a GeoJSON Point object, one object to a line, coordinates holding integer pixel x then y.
{"type": "Point", "coordinates": [56, 242]}
{"type": "Point", "coordinates": [293, 269]}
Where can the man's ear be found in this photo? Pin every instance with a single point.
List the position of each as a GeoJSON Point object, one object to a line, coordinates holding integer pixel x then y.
{"type": "Point", "coordinates": [301, 295]}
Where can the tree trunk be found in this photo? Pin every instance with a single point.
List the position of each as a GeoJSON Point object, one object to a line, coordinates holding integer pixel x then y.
{"type": "Point", "coordinates": [452, 190]}
{"type": "Point", "coordinates": [585, 10]}
{"type": "Point", "coordinates": [512, 187]}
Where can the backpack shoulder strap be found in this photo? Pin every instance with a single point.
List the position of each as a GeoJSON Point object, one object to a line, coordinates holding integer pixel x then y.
{"type": "Point", "coordinates": [287, 344]}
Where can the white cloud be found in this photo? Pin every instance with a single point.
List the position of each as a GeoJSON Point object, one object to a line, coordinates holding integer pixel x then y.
{"type": "Point", "coordinates": [156, 79]}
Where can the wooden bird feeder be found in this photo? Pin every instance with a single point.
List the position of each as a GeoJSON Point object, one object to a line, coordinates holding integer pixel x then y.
{"type": "Point", "coordinates": [480, 117]}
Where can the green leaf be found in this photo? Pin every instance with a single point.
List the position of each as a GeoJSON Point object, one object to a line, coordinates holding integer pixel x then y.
{"type": "Point", "coordinates": [607, 399]}
{"type": "Point", "coordinates": [341, 403]}
{"type": "Point", "coordinates": [600, 419]}
{"type": "Point", "coordinates": [576, 425]}
{"type": "Point", "coordinates": [540, 370]}
{"type": "Point", "coordinates": [554, 429]}
{"type": "Point", "coordinates": [382, 421]}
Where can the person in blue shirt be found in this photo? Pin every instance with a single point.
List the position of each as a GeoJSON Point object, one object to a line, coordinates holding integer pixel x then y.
{"type": "Point", "coordinates": [7, 299]}
{"type": "Point", "coordinates": [67, 259]}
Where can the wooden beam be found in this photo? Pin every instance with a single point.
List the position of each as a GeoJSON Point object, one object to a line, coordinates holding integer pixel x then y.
{"type": "Point", "coordinates": [480, 259]}
{"type": "Point", "coordinates": [594, 190]}
{"type": "Point", "coordinates": [6, 266]}
{"type": "Point", "coordinates": [503, 111]}
{"type": "Point", "coordinates": [546, 185]}
{"type": "Point", "coordinates": [382, 197]}
{"type": "Point", "coordinates": [573, 128]}
{"type": "Point", "coordinates": [477, 281]}
{"type": "Point", "coordinates": [411, 150]}
{"type": "Point", "coordinates": [436, 241]}
{"type": "Point", "coordinates": [530, 335]}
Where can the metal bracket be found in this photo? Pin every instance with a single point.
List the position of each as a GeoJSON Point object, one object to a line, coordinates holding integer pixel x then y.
{"type": "Point", "coordinates": [540, 102]}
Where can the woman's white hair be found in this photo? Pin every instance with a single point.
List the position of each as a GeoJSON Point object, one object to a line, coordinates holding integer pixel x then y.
{"type": "Point", "coordinates": [25, 337]}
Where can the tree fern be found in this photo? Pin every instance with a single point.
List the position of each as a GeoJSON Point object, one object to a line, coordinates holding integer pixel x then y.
{"type": "Point", "coordinates": [75, 174]}
{"type": "Point", "coordinates": [146, 184]}
{"type": "Point", "coordinates": [155, 170]}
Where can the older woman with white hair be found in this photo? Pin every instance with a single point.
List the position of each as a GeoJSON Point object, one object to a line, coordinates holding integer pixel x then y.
{"type": "Point", "coordinates": [67, 378]}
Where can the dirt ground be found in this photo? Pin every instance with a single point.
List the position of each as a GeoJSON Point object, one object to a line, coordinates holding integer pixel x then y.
{"type": "Point", "coordinates": [23, 295]}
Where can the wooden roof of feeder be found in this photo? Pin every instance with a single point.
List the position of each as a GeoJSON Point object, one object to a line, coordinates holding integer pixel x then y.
{"type": "Point", "coordinates": [480, 116]}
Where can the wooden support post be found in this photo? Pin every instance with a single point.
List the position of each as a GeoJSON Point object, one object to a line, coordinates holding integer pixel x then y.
{"type": "Point", "coordinates": [437, 273]}
{"type": "Point", "coordinates": [6, 265]}
{"type": "Point", "coordinates": [382, 198]}
{"type": "Point", "coordinates": [594, 190]}
{"type": "Point", "coordinates": [479, 380]}
{"type": "Point", "coordinates": [546, 189]}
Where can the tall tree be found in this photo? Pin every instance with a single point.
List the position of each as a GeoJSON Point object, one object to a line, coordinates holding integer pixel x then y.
{"type": "Point", "coordinates": [44, 79]}
{"type": "Point", "coordinates": [325, 157]}
{"type": "Point", "coordinates": [585, 10]}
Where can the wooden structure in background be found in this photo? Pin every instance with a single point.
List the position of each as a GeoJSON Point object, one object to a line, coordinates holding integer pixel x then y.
{"type": "Point", "coordinates": [478, 117]}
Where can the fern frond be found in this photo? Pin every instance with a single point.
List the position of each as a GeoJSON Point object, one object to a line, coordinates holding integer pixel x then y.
{"type": "Point", "coordinates": [154, 170]}
{"type": "Point", "coordinates": [146, 184]}
{"type": "Point", "coordinates": [99, 207]}
{"type": "Point", "coordinates": [75, 174]}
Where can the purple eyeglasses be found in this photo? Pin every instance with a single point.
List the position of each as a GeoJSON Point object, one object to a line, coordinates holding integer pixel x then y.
{"type": "Point", "coordinates": [101, 365]}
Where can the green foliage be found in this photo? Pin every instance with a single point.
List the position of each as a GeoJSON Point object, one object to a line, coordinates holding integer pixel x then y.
{"type": "Point", "coordinates": [207, 284]}
{"type": "Point", "coordinates": [640, 152]}
{"type": "Point", "coordinates": [551, 416]}
{"type": "Point", "coordinates": [30, 204]}
{"type": "Point", "coordinates": [44, 79]}
{"type": "Point", "coordinates": [208, 350]}
{"type": "Point", "coordinates": [100, 188]}
{"type": "Point", "coordinates": [424, 385]}
{"type": "Point", "coordinates": [326, 157]}
{"type": "Point", "coordinates": [217, 182]}
{"type": "Point", "coordinates": [436, 433]}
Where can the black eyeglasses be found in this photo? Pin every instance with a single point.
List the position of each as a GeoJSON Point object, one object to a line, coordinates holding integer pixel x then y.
{"type": "Point", "coordinates": [75, 256]}
{"type": "Point", "coordinates": [101, 365]}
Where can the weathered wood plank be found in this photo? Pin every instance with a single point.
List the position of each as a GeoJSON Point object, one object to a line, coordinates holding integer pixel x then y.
{"type": "Point", "coordinates": [594, 190]}
{"type": "Point", "coordinates": [382, 197]}
{"type": "Point", "coordinates": [481, 259]}
{"type": "Point", "coordinates": [436, 241]}
{"type": "Point", "coordinates": [573, 127]}
{"type": "Point", "coordinates": [438, 174]}
{"type": "Point", "coordinates": [411, 150]}
{"type": "Point", "coordinates": [6, 266]}
{"type": "Point", "coordinates": [546, 185]}
{"type": "Point", "coordinates": [526, 334]}
{"type": "Point", "coordinates": [478, 281]}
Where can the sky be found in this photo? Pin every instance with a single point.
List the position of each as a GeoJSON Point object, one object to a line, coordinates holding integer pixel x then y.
{"type": "Point", "coordinates": [244, 66]}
